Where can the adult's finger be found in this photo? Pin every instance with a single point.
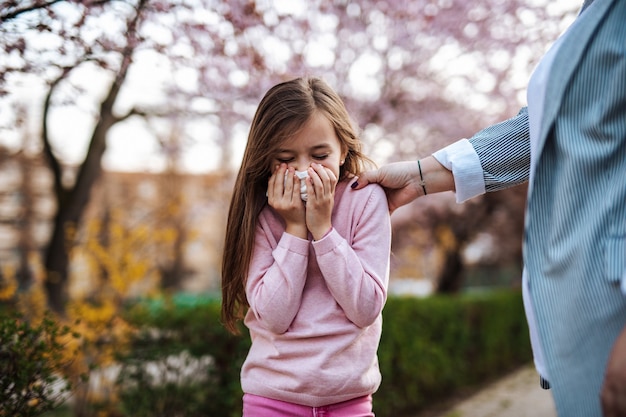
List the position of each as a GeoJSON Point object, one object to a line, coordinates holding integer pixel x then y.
{"type": "Point", "coordinates": [365, 178]}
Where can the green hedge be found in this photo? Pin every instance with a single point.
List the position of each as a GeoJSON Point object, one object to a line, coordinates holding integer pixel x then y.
{"type": "Point", "coordinates": [431, 348]}
{"type": "Point", "coordinates": [434, 347]}
{"type": "Point", "coordinates": [151, 384]}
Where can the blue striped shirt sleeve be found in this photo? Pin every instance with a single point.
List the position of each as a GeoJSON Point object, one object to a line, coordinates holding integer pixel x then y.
{"type": "Point", "coordinates": [504, 152]}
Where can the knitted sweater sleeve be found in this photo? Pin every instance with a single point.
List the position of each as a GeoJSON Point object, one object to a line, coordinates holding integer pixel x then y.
{"type": "Point", "coordinates": [276, 277]}
{"type": "Point", "coordinates": [354, 264]}
{"type": "Point", "coordinates": [356, 268]}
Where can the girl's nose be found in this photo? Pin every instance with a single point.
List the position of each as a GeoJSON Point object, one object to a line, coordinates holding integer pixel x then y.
{"type": "Point", "coordinates": [302, 165]}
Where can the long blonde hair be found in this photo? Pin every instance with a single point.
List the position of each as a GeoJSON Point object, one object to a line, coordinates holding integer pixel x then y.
{"type": "Point", "coordinates": [284, 109]}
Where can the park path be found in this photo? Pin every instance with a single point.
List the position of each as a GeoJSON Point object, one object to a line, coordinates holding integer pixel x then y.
{"type": "Point", "coordinates": [515, 395]}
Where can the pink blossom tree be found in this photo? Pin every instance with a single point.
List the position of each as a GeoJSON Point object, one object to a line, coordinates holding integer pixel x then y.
{"type": "Point", "coordinates": [415, 75]}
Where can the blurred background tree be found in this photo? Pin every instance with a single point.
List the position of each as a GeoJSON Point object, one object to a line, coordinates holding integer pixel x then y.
{"type": "Point", "coordinates": [84, 77]}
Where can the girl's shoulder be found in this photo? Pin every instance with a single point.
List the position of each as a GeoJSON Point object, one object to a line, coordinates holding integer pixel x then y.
{"type": "Point", "coordinates": [371, 193]}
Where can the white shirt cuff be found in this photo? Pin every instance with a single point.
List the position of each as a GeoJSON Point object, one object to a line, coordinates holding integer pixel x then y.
{"type": "Point", "coordinates": [461, 158]}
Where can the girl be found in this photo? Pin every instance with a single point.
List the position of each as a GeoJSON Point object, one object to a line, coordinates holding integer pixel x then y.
{"type": "Point", "coordinates": [309, 276]}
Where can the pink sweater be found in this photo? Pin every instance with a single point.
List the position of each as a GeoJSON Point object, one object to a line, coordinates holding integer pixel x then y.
{"type": "Point", "coordinates": [315, 307]}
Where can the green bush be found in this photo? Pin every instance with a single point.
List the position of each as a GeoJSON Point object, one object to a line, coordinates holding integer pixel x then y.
{"type": "Point", "coordinates": [430, 349]}
{"type": "Point", "coordinates": [433, 347]}
{"type": "Point", "coordinates": [182, 363]}
{"type": "Point", "coordinates": [32, 362]}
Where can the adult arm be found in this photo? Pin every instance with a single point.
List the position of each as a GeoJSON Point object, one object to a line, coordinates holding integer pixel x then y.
{"type": "Point", "coordinates": [613, 394]}
{"type": "Point", "coordinates": [495, 158]}
{"type": "Point", "coordinates": [402, 181]}
{"type": "Point", "coordinates": [504, 152]}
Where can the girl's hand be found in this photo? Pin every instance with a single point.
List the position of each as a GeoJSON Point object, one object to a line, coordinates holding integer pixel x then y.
{"type": "Point", "coordinates": [321, 198]}
{"type": "Point", "coordinates": [283, 194]}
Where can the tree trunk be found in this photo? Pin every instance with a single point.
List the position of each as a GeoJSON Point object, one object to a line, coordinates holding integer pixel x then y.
{"type": "Point", "coordinates": [71, 203]}
{"type": "Point", "coordinates": [69, 215]}
{"type": "Point", "coordinates": [451, 277]}
{"type": "Point", "coordinates": [56, 263]}
{"type": "Point", "coordinates": [26, 244]}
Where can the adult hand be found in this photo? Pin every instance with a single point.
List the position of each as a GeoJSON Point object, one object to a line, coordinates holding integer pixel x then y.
{"type": "Point", "coordinates": [283, 195]}
{"type": "Point", "coordinates": [401, 181]}
{"type": "Point", "coordinates": [613, 394]}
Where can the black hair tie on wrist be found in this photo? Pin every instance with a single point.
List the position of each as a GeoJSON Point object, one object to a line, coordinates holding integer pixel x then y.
{"type": "Point", "coordinates": [422, 182]}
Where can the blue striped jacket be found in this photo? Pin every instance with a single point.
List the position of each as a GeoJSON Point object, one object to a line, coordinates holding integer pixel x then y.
{"type": "Point", "coordinates": [575, 232]}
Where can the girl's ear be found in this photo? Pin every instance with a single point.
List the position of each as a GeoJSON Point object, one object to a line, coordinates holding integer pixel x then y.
{"type": "Point", "coordinates": [344, 154]}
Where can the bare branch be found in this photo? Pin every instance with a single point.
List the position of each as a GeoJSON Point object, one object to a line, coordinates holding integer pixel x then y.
{"type": "Point", "coordinates": [54, 163]}
{"type": "Point", "coordinates": [148, 113]}
{"type": "Point", "coordinates": [11, 11]}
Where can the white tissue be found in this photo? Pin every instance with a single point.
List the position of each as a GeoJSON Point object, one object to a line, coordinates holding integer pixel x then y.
{"type": "Point", "coordinates": [303, 175]}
